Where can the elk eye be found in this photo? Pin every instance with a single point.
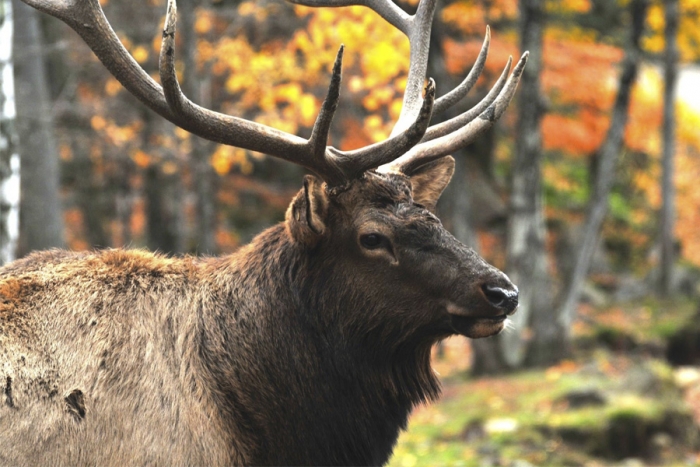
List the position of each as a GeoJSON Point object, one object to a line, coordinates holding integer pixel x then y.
{"type": "Point", "coordinates": [373, 241]}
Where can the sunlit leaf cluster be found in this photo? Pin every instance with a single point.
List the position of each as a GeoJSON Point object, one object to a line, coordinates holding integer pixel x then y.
{"type": "Point", "coordinates": [688, 35]}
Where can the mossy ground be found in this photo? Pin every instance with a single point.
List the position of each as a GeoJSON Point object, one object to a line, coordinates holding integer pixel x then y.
{"type": "Point", "coordinates": [602, 408]}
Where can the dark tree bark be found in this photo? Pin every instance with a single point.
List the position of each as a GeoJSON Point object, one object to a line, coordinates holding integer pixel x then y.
{"type": "Point", "coordinates": [163, 192]}
{"type": "Point", "coordinates": [90, 198]}
{"type": "Point", "coordinates": [164, 219]}
{"type": "Point", "coordinates": [668, 191]}
{"type": "Point", "coordinates": [608, 154]}
{"type": "Point", "coordinates": [41, 214]}
{"type": "Point", "coordinates": [204, 177]}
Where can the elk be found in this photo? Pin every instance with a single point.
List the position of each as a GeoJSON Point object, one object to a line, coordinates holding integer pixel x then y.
{"type": "Point", "coordinates": [309, 346]}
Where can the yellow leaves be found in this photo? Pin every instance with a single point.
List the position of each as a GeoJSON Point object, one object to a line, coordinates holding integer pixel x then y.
{"type": "Point", "coordinates": [385, 61]}
{"type": "Point", "coordinates": [169, 167]}
{"type": "Point", "coordinates": [500, 10]}
{"type": "Point", "coordinates": [307, 109]}
{"type": "Point", "coordinates": [567, 6]}
{"type": "Point", "coordinates": [112, 87]}
{"type": "Point", "coordinates": [203, 24]}
{"type": "Point", "coordinates": [466, 17]}
{"type": "Point", "coordinates": [289, 92]}
{"type": "Point", "coordinates": [182, 134]}
{"type": "Point", "coordinates": [98, 123]}
{"type": "Point", "coordinates": [247, 8]}
{"type": "Point", "coordinates": [376, 128]}
{"type": "Point", "coordinates": [226, 157]}
{"type": "Point", "coordinates": [643, 130]}
{"type": "Point", "coordinates": [379, 97]}
{"type": "Point", "coordinates": [282, 84]}
{"type": "Point", "coordinates": [141, 159]}
{"type": "Point", "coordinates": [655, 17]}
{"type": "Point", "coordinates": [116, 135]}
{"type": "Point", "coordinates": [472, 17]}
{"type": "Point", "coordinates": [688, 32]}
{"type": "Point", "coordinates": [278, 120]}
{"type": "Point", "coordinates": [687, 176]}
{"type": "Point", "coordinates": [140, 54]}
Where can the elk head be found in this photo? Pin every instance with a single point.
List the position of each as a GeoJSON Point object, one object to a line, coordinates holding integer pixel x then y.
{"type": "Point", "coordinates": [374, 205]}
{"type": "Point", "coordinates": [378, 244]}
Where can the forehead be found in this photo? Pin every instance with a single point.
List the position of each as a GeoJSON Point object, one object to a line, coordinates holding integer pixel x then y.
{"type": "Point", "coordinates": [376, 189]}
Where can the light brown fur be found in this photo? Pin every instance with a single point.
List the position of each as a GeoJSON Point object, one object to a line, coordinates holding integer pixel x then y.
{"type": "Point", "coordinates": [116, 325]}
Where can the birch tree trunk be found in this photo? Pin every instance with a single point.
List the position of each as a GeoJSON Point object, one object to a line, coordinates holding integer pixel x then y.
{"type": "Point", "coordinates": [608, 155]}
{"type": "Point", "coordinates": [527, 258]}
{"type": "Point", "coordinates": [41, 219]}
{"type": "Point", "coordinates": [9, 157]}
{"type": "Point", "coordinates": [668, 191]}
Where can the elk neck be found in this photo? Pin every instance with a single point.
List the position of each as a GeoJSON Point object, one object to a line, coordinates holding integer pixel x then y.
{"type": "Point", "coordinates": [277, 338]}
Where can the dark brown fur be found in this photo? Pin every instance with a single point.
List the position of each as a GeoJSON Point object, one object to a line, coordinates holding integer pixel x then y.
{"type": "Point", "coordinates": [301, 348]}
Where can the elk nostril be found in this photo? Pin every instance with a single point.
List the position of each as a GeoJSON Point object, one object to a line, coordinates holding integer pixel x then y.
{"type": "Point", "coordinates": [503, 299]}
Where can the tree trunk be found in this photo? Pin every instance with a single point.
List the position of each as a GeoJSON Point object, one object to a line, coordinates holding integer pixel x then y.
{"type": "Point", "coordinates": [9, 158]}
{"type": "Point", "coordinates": [163, 193]}
{"type": "Point", "coordinates": [608, 154]}
{"type": "Point", "coordinates": [41, 219]}
{"type": "Point", "coordinates": [668, 191]}
{"type": "Point", "coordinates": [202, 171]}
{"type": "Point", "coordinates": [90, 198]}
{"type": "Point", "coordinates": [526, 254]}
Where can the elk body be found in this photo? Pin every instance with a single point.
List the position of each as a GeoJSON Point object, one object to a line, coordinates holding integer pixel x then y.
{"type": "Point", "coordinates": [308, 346]}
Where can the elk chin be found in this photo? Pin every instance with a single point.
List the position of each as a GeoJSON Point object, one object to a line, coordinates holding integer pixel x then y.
{"type": "Point", "coordinates": [474, 326]}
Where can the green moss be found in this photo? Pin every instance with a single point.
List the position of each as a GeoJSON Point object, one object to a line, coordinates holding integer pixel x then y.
{"type": "Point", "coordinates": [525, 416]}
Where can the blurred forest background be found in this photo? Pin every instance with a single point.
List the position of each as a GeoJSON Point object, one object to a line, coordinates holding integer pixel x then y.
{"type": "Point", "coordinates": [584, 192]}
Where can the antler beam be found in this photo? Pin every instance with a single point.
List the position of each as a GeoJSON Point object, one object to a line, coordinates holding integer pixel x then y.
{"type": "Point", "coordinates": [400, 152]}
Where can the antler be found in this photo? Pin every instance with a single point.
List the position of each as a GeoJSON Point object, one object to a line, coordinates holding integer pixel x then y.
{"type": "Point", "coordinates": [456, 133]}
{"type": "Point", "coordinates": [332, 165]}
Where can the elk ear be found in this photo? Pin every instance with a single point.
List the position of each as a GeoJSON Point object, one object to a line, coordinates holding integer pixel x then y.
{"type": "Point", "coordinates": [429, 180]}
{"type": "Point", "coordinates": [306, 215]}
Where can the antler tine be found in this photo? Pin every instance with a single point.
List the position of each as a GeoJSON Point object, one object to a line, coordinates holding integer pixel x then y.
{"type": "Point", "coordinates": [313, 154]}
{"type": "Point", "coordinates": [417, 29]}
{"type": "Point", "coordinates": [219, 127]}
{"type": "Point", "coordinates": [453, 124]}
{"type": "Point", "coordinates": [454, 96]}
{"type": "Point", "coordinates": [322, 126]}
{"type": "Point", "coordinates": [439, 147]}
{"type": "Point", "coordinates": [88, 20]}
{"type": "Point", "coordinates": [357, 161]}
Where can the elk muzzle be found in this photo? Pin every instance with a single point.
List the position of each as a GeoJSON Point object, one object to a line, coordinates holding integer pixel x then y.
{"type": "Point", "coordinates": [488, 308]}
{"type": "Point", "coordinates": [503, 299]}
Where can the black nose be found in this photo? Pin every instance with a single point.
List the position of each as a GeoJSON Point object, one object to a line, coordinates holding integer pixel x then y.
{"type": "Point", "coordinates": [505, 300]}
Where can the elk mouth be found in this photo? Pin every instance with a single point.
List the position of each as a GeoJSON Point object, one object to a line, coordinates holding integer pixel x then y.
{"type": "Point", "coordinates": [474, 326]}
{"type": "Point", "coordinates": [477, 326]}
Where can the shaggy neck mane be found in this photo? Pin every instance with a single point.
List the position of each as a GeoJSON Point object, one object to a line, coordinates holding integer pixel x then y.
{"type": "Point", "coordinates": [318, 383]}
